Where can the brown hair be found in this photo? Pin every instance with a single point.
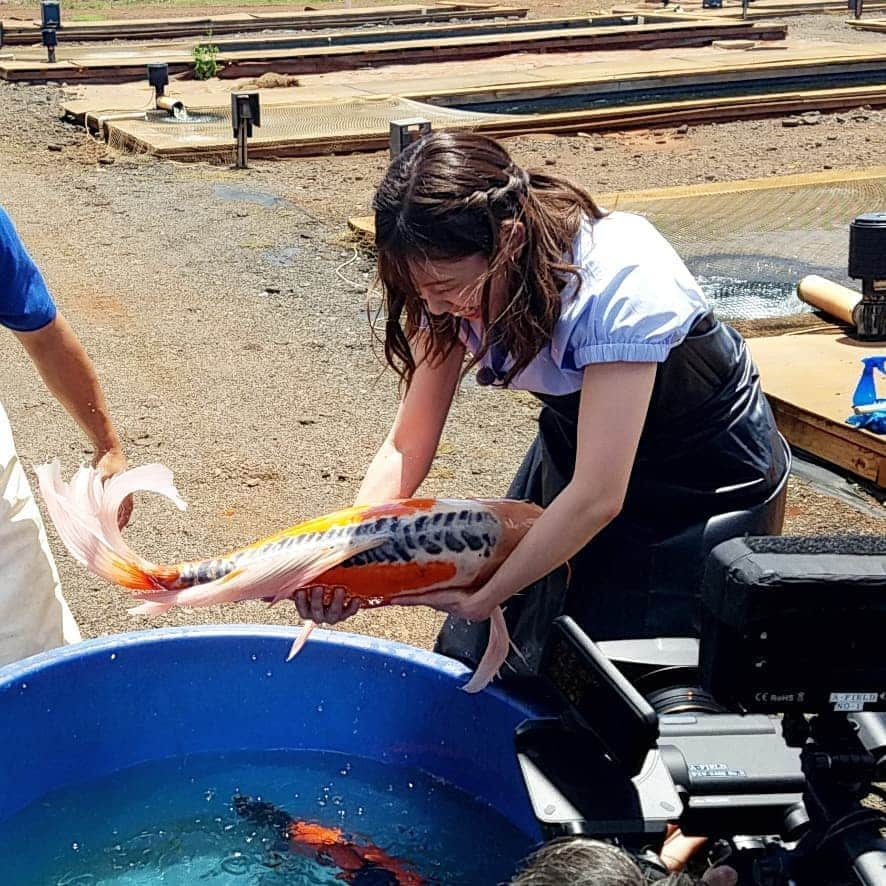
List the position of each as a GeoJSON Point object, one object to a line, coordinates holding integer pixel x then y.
{"type": "Point", "coordinates": [447, 196]}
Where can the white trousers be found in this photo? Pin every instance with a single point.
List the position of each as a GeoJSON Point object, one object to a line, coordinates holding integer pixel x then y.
{"type": "Point", "coordinates": [33, 614]}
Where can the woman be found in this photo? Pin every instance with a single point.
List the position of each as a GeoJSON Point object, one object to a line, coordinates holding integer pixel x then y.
{"type": "Point", "coordinates": [653, 418]}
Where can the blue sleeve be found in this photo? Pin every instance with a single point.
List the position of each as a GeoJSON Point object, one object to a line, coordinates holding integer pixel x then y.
{"type": "Point", "coordinates": [638, 317]}
{"type": "Point", "coordinates": [25, 302]}
{"type": "Point", "coordinates": [634, 305]}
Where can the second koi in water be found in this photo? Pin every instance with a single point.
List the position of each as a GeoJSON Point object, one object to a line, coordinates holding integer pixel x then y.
{"type": "Point", "coordinates": [376, 552]}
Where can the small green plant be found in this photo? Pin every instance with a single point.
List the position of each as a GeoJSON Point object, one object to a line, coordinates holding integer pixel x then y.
{"type": "Point", "coordinates": [206, 60]}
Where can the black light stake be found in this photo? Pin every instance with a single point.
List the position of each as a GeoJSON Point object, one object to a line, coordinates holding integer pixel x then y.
{"type": "Point", "coordinates": [867, 262]}
{"type": "Point", "coordinates": [50, 14]}
{"type": "Point", "coordinates": [50, 41]}
{"type": "Point", "coordinates": [158, 77]}
{"type": "Point", "coordinates": [245, 113]}
{"type": "Point", "coordinates": [50, 22]}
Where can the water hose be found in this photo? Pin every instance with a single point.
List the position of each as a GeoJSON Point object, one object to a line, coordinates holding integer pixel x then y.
{"type": "Point", "coordinates": [165, 103]}
{"type": "Point", "coordinates": [832, 298]}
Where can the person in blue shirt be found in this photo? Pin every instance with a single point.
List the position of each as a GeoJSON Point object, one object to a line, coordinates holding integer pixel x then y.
{"type": "Point", "coordinates": [34, 616]}
{"type": "Point", "coordinates": [652, 417]}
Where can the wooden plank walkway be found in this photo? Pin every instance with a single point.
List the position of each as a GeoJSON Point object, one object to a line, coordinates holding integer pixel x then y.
{"type": "Point", "coordinates": [308, 129]}
{"type": "Point", "coordinates": [757, 9]}
{"type": "Point", "coordinates": [17, 32]}
{"type": "Point", "coordinates": [869, 24]}
{"type": "Point", "coordinates": [113, 64]}
{"type": "Point", "coordinates": [809, 378]}
{"type": "Point", "coordinates": [516, 77]}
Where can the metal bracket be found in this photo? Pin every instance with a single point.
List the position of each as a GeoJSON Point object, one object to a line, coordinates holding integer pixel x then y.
{"type": "Point", "coordinates": [406, 131]}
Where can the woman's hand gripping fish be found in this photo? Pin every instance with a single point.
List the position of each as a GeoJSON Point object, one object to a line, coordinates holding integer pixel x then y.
{"type": "Point", "coordinates": [375, 552]}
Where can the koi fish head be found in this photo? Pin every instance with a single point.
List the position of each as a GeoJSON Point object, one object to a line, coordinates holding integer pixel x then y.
{"type": "Point", "coordinates": [264, 814]}
{"type": "Point", "coordinates": [516, 517]}
{"type": "Point", "coordinates": [519, 515]}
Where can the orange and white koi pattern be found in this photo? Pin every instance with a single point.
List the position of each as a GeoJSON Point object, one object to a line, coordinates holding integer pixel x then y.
{"type": "Point", "coordinates": [376, 552]}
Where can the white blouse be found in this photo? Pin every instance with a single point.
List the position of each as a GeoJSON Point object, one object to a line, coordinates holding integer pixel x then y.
{"type": "Point", "coordinates": [636, 300]}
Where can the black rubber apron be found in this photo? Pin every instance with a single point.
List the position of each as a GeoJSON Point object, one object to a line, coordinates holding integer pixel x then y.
{"type": "Point", "coordinates": [709, 446]}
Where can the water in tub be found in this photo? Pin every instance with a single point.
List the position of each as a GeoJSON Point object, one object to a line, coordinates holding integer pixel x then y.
{"type": "Point", "coordinates": [174, 822]}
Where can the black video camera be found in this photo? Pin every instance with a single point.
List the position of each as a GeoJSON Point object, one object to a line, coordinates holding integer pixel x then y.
{"type": "Point", "coordinates": [764, 735]}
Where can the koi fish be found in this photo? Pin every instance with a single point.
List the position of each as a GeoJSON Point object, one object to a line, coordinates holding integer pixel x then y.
{"type": "Point", "coordinates": [329, 846]}
{"type": "Point", "coordinates": [375, 552]}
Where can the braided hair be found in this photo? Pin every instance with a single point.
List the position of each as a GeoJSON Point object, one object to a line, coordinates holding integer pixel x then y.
{"type": "Point", "coordinates": [450, 195]}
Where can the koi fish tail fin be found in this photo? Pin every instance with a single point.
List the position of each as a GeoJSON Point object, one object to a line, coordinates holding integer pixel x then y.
{"type": "Point", "coordinates": [494, 657]}
{"type": "Point", "coordinates": [85, 515]}
{"type": "Point", "coordinates": [150, 608]}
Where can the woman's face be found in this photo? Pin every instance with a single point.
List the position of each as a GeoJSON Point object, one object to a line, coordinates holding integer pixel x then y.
{"type": "Point", "coordinates": [451, 286]}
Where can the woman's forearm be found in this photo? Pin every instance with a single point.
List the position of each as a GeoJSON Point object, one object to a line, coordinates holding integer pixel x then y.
{"type": "Point", "coordinates": [563, 529]}
{"type": "Point", "coordinates": [392, 474]}
{"type": "Point", "coordinates": [404, 459]}
{"type": "Point", "coordinates": [70, 377]}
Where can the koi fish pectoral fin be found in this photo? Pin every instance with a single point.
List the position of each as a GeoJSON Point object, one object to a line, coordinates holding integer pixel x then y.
{"type": "Point", "coordinates": [494, 657]}
{"type": "Point", "coordinates": [304, 572]}
{"type": "Point", "coordinates": [272, 578]}
{"type": "Point", "coordinates": [307, 628]}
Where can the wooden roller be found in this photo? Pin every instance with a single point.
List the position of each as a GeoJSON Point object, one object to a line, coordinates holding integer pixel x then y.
{"type": "Point", "coordinates": [832, 298]}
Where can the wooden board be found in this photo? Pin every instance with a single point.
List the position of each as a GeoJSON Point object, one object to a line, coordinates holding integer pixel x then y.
{"type": "Point", "coordinates": [862, 24]}
{"type": "Point", "coordinates": [518, 77]}
{"type": "Point", "coordinates": [115, 64]}
{"type": "Point", "coordinates": [809, 379]}
{"type": "Point", "coordinates": [132, 133]}
{"type": "Point", "coordinates": [22, 32]}
{"type": "Point", "coordinates": [756, 8]}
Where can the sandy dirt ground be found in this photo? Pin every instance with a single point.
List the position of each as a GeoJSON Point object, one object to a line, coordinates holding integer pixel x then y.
{"type": "Point", "coordinates": [226, 312]}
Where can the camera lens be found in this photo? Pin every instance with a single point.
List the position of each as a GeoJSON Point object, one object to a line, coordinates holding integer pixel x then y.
{"type": "Point", "coordinates": [684, 700]}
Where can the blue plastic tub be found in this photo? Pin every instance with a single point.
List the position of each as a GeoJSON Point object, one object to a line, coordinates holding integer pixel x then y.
{"type": "Point", "coordinates": [80, 712]}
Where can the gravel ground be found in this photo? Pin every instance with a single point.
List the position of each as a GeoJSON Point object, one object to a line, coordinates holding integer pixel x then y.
{"type": "Point", "coordinates": [230, 328]}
